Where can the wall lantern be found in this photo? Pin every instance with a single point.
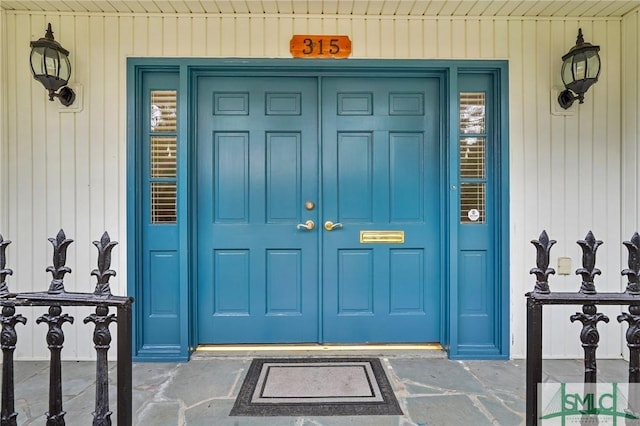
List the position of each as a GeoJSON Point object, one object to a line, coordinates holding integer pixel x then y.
{"type": "Point", "coordinates": [50, 66]}
{"type": "Point", "coordinates": [580, 69]}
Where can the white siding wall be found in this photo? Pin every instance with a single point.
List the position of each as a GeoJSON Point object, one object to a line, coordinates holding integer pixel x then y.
{"type": "Point", "coordinates": [631, 124]}
{"type": "Point", "coordinates": [564, 172]}
{"type": "Point", "coordinates": [69, 169]}
{"type": "Point", "coordinates": [3, 128]}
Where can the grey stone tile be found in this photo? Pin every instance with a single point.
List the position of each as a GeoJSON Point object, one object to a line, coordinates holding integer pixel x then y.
{"type": "Point", "coordinates": [434, 376]}
{"type": "Point", "coordinates": [562, 370]}
{"type": "Point", "coordinates": [515, 403]}
{"type": "Point", "coordinates": [216, 412]}
{"type": "Point", "coordinates": [32, 397]}
{"type": "Point", "coordinates": [158, 413]}
{"type": "Point", "coordinates": [352, 420]}
{"type": "Point", "coordinates": [24, 370]}
{"type": "Point", "coordinates": [613, 370]}
{"type": "Point", "coordinates": [445, 411]}
{"type": "Point", "coordinates": [75, 386]}
{"type": "Point", "coordinates": [205, 379]}
{"type": "Point", "coordinates": [500, 375]}
{"type": "Point", "coordinates": [503, 415]}
{"type": "Point", "coordinates": [140, 397]}
{"type": "Point", "coordinates": [150, 375]}
{"type": "Point", "coordinates": [80, 407]}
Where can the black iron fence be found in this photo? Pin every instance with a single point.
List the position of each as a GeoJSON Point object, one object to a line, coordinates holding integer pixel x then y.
{"type": "Point", "coordinates": [55, 298]}
{"type": "Point", "coordinates": [589, 298]}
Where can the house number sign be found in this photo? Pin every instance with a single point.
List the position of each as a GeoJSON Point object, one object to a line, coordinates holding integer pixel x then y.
{"type": "Point", "coordinates": [320, 46]}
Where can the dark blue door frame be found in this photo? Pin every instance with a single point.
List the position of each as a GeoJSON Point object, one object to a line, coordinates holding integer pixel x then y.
{"type": "Point", "coordinates": [179, 344]}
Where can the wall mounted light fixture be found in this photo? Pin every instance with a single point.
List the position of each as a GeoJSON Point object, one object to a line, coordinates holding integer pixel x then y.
{"type": "Point", "coordinates": [580, 69]}
{"type": "Point", "coordinates": [50, 66]}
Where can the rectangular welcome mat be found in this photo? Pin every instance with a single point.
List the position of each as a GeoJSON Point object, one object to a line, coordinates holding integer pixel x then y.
{"type": "Point", "coordinates": [315, 387]}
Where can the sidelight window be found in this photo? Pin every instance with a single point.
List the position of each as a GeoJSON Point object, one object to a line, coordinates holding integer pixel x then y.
{"type": "Point", "coordinates": [473, 157]}
{"type": "Point", "coordinates": [163, 155]}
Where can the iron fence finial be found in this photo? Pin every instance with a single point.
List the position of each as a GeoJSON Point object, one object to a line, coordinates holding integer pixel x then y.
{"type": "Point", "coordinates": [543, 249]}
{"type": "Point", "coordinates": [58, 269]}
{"type": "Point", "coordinates": [633, 272]}
{"type": "Point", "coordinates": [103, 273]}
{"type": "Point", "coordinates": [4, 271]}
{"type": "Point", "coordinates": [588, 271]}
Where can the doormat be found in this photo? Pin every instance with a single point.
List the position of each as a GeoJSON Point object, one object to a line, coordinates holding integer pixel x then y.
{"type": "Point", "coordinates": [316, 387]}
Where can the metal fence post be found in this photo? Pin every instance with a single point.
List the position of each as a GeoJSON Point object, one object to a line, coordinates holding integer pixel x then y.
{"type": "Point", "coordinates": [55, 338]}
{"type": "Point", "coordinates": [125, 395]}
{"type": "Point", "coordinates": [8, 341]}
{"type": "Point", "coordinates": [534, 359]}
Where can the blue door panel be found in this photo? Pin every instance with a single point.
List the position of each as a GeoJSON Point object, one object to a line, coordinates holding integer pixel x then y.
{"type": "Point", "coordinates": [476, 306]}
{"type": "Point", "coordinates": [283, 177]}
{"type": "Point", "coordinates": [380, 165]}
{"type": "Point", "coordinates": [257, 165]}
{"type": "Point", "coordinates": [406, 177]}
{"type": "Point", "coordinates": [406, 281]}
{"type": "Point", "coordinates": [284, 282]}
{"type": "Point", "coordinates": [160, 299]}
{"type": "Point", "coordinates": [229, 162]}
{"type": "Point", "coordinates": [354, 161]}
{"type": "Point", "coordinates": [354, 283]}
{"type": "Point", "coordinates": [230, 285]}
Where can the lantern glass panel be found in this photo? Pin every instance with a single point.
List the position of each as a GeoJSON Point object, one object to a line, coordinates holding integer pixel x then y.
{"type": "Point", "coordinates": [36, 60]}
{"type": "Point", "coordinates": [65, 68]}
{"type": "Point", "coordinates": [579, 66]}
{"type": "Point", "coordinates": [51, 62]}
{"type": "Point", "coordinates": [567, 72]}
{"type": "Point", "coordinates": [593, 63]}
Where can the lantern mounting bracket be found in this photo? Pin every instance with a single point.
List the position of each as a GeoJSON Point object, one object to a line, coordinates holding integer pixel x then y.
{"type": "Point", "coordinates": [66, 96]}
{"type": "Point", "coordinates": [566, 98]}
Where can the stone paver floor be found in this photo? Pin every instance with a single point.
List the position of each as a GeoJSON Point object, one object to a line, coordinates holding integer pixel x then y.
{"type": "Point", "coordinates": [431, 390]}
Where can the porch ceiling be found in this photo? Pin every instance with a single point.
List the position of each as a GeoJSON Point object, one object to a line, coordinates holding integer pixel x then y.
{"type": "Point", "coordinates": [549, 8]}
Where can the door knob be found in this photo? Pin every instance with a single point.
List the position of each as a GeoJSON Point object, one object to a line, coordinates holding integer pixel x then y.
{"type": "Point", "coordinates": [330, 226]}
{"type": "Point", "coordinates": [308, 225]}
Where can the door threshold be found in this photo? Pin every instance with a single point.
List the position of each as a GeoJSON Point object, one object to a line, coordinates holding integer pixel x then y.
{"type": "Point", "coordinates": [319, 348]}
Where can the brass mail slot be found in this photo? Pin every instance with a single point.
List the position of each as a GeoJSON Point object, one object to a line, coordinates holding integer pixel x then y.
{"type": "Point", "coordinates": [383, 237]}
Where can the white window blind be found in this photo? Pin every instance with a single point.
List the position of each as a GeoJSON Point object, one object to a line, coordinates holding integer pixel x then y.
{"type": "Point", "coordinates": [473, 157]}
{"type": "Point", "coordinates": [163, 156]}
{"type": "Point", "coordinates": [472, 112]}
{"type": "Point", "coordinates": [163, 202]}
{"type": "Point", "coordinates": [472, 202]}
{"type": "Point", "coordinates": [163, 110]}
{"type": "Point", "coordinates": [163, 152]}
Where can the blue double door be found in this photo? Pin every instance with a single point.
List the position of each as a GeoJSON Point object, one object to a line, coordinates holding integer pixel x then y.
{"type": "Point", "coordinates": [319, 210]}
